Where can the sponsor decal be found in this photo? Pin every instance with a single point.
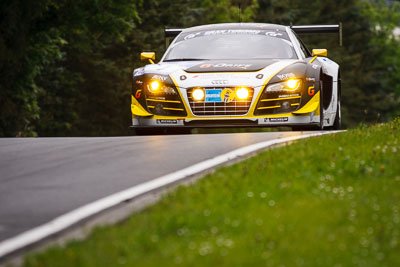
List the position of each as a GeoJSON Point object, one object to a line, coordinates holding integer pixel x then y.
{"type": "Point", "coordinates": [227, 95]}
{"type": "Point", "coordinates": [224, 76]}
{"type": "Point", "coordinates": [139, 82]}
{"type": "Point", "coordinates": [219, 82]}
{"type": "Point", "coordinates": [225, 65]}
{"type": "Point", "coordinates": [269, 33]}
{"type": "Point", "coordinates": [219, 32]}
{"type": "Point", "coordinates": [286, 76]}
{"type": "Point", "coordinates": [195, 76]}
{"type": "Point", "coordinates": [260, 76]}
{"type": "Point", "coordinates": [282, 119]}
{"type": "Point", "coordinates": [310, 80]}
{"type": "Point", "coordinates": [159, 77]}
{"type": "Point", "coordinates": [273, 34]}
{"type": "Point", "coordinates": [138, 94]}
{"type": "Point", "coordinates": [314, 66]}
{"type": "Point", "coordinates": [213, 95]}
{"type": "Point", "coordinates": [311, 90]}
{"type": "Point", "coordinates": [222, 32]}
{"type": "Point", "coordinates": [167, 121]}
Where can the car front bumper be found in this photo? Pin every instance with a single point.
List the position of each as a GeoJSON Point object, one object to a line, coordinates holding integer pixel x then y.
{"type": "Point", "coordinates": [207, 122]}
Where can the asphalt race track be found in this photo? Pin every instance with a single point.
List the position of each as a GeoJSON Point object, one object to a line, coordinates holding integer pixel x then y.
{"type": "Point", "coordinates": [43, 178]}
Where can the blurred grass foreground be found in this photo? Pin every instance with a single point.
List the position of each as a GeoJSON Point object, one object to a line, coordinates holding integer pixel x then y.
{"type": "Point", "coordinates": [332, 200]}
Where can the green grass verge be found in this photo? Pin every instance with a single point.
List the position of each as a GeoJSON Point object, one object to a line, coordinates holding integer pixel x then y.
{"type": "Point", "coordinates": [326, 201]}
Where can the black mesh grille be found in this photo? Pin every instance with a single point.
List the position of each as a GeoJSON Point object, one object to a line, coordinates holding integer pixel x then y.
{"type": "Point", "coordinates": [275, 103]}
{"type": "Point", "coordinates": [236, 107]}
{"type": "Point", "coordinates": [164, 104]}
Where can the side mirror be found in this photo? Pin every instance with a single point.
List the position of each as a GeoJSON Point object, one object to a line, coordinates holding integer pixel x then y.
{"type": "Point", "coordinates": [148, 56]}
{"type": "Point", "coordinates": [320, 52]}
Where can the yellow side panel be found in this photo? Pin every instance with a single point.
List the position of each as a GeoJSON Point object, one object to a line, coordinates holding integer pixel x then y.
{"type": "Point", "coordinates": [317, 112]}
{"type": "Point", "coordinates": [137, 109]}
{"type": "Point", "coordinates": [311, 106]}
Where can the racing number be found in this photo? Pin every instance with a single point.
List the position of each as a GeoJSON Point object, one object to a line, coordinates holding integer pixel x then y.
{"type": "Point", "coordinates": [138, 93]}
{"type": "Point", "coordinates": [311, 90]}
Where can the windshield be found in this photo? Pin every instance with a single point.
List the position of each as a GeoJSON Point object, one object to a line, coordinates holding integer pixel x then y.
{"type": "Point", "coordinates": [231, 44]}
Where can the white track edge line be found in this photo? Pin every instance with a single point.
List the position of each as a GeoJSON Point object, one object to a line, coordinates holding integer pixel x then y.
{"type": "Point", "coordinates": [68, 219]}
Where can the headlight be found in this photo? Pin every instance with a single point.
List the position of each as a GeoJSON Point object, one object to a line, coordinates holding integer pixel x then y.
{"type": "Point", "coordinates": [242, 93]}
{"type": "Point", "coordinates": [198, 94]}
{"type": "Point", "coordinates": [158, 87]}
{"type": "Point", "coordinates": [291, 85]}
{"type": "Point", "coordinates": [154, 86]}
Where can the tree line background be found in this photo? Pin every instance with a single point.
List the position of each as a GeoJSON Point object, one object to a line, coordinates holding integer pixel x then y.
{"type": "Point", "coordinates": [66, 65]}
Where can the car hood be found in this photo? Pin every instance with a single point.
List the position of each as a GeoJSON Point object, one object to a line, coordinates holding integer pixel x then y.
{"type": "Point", "coordinates": [186, 74]}
{"type": "Point", "coordinates": [209, 66]}
{"type": "Point", "coordinates": [229, 66]}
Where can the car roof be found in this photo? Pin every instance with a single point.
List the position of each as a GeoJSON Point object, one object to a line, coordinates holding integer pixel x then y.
{"type": "Point", "coordinates": [242, 25]}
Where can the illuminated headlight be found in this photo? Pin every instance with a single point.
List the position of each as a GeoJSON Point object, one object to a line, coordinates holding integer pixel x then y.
{"type": "Point", "coordinates": [291, 85]}
{"type": "Point", "coordinates": [198, 94]}
{"type": "Point", "coordinates": [242, 93]}
{"type": "Point", "coordinates": [156, 87]}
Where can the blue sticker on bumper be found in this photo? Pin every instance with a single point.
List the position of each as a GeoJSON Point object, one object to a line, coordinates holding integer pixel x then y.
{"type": "Point", "coordinates": [213, 95]}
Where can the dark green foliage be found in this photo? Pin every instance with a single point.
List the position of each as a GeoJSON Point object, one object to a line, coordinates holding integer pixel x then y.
{"type": "Point", "coordinates": [65, 66]}
{"type": "Point", "coordinates": [26, 45]}
{"type": "Point", "coordinates": [51, 55]}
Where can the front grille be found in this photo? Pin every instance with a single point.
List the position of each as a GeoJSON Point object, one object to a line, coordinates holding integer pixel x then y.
{"type": "Point", "coordinates": [233, 108]}
{"type": "Point", "coordinates": [276, 103]}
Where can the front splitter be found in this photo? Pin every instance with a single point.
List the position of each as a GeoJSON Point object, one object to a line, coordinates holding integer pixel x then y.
{"type": "Point", "coordinates": [139, 122]}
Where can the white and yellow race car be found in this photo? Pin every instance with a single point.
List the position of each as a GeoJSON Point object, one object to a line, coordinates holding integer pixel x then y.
{"type": "Point", "coordinates": [238, 75]}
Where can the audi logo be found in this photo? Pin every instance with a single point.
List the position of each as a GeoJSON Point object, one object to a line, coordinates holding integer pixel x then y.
{"type": "Point", "coordinates": [219, 82]}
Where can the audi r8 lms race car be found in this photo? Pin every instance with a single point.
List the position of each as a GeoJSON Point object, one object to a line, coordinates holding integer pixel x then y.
{"type": "Point", "coordinates": [238, 75]}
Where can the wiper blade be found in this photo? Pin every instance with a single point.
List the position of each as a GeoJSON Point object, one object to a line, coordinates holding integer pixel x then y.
{"type": "Point", "coordinates": [186, 59]}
